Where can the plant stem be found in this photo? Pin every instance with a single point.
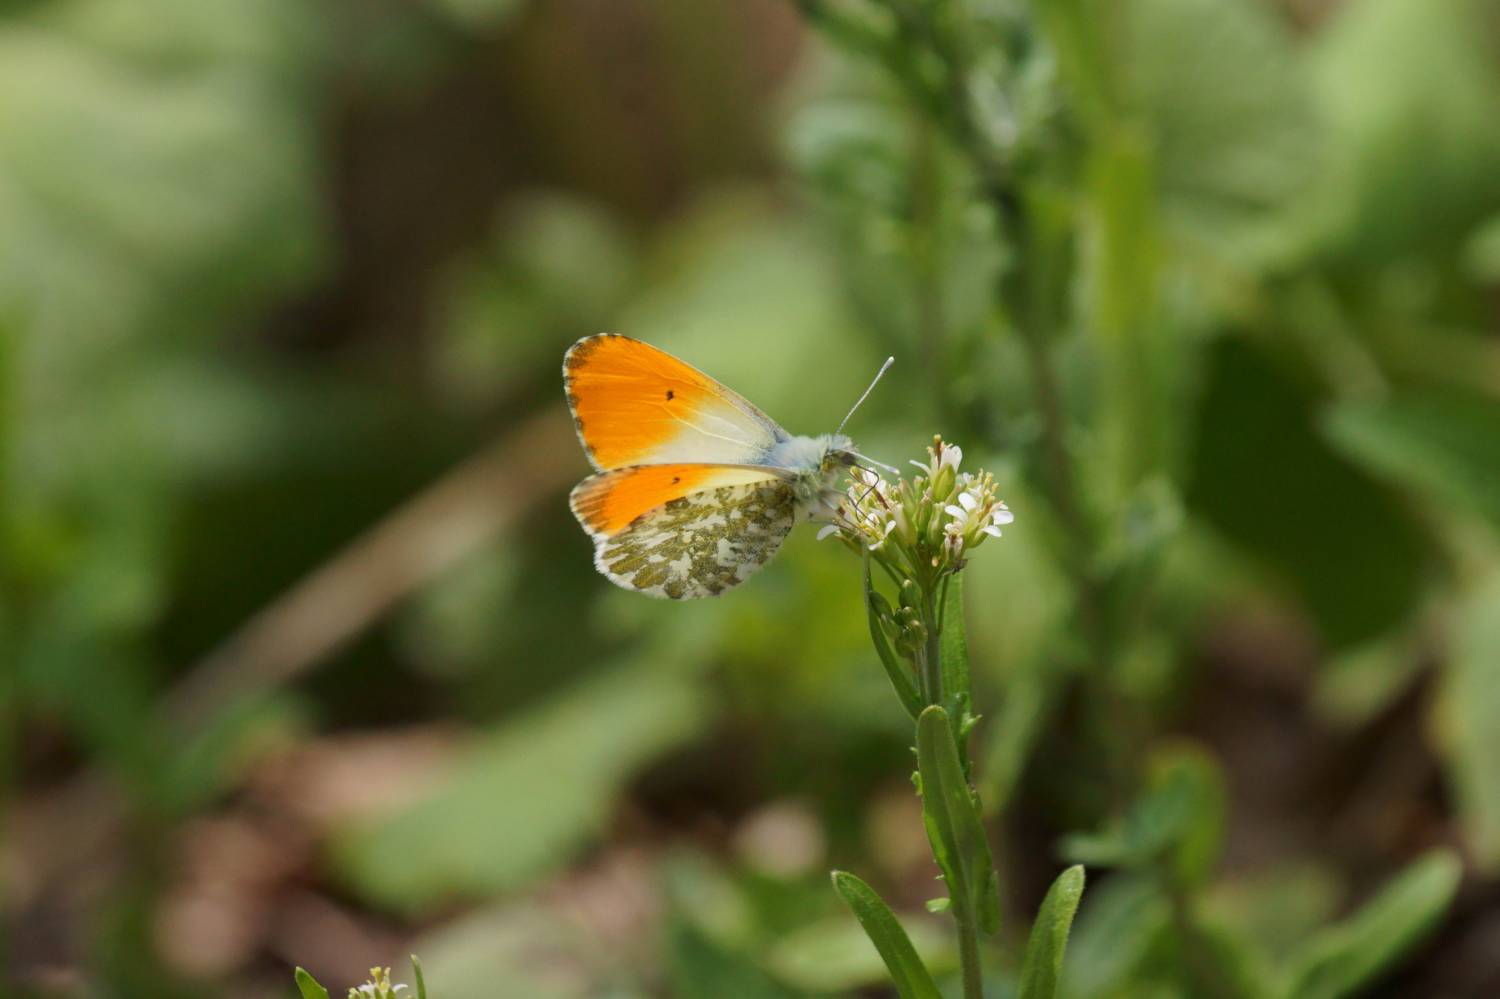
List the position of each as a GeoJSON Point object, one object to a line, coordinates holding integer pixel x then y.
{"type": "Point", "coordinates": [932, 654]}
{"type": "Point", "coordinates": [968, 957]}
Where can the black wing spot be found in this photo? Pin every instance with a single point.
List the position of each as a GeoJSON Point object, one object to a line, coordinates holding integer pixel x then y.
{"type": "Point", "coordinates": [676, 479]}
{"type": "Point", "coordinates": [671, 395]}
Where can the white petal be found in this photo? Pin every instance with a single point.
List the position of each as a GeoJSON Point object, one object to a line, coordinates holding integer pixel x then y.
{"type": "Point", "coordinates": [952, 455]}
{"type": "Point", "coordinates": [1002, 516]}
{"type": "Point", "coordinates": [967, 501]}
{"type": "Point", "coordinates": [991, 530]}
{"type": "Point", "coordinates": [956, 511]}
{"type": "Point", "coordinates": [827, 530]}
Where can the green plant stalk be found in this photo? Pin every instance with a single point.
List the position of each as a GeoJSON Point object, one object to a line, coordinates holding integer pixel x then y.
{"type": "Point", "coordinates": [965, 919]}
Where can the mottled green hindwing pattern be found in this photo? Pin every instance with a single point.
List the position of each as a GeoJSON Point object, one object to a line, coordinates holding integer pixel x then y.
{"type": "Point", "coordinates": [701, 544]}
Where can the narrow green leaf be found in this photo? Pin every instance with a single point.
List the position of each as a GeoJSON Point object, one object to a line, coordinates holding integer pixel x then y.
{"type": "Point", "coordinates": [309, 987]}
{"type": "Point", "coordinates": [953, 648]}
{"type": "Point", "coordinates": [1341, 959]}
{"type": "Point", "coordinates": [895, 670]}
{"type": "Point", "coordinates": [952, 818]}
{"type": "Point", "coordinates": [907, 970]}
{"type": "Point", "coordinates": [416, 970]}
{"type": "Point", "coordinates": [1042, 965]}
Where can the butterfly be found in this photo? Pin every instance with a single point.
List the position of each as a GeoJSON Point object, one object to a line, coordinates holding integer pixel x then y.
{"type": "Point", "coordinates": [695, 488]}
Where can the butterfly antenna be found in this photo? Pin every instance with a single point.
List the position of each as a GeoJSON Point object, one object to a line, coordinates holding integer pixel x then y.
{"type": "Point", "coordinates": [879, 464]}
{"type": "Point", "coordinates": [888, 362]}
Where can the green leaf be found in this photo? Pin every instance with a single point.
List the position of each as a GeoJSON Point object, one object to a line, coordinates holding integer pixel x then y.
{"type": "Point", "coordinates": [1118, 934]}
{"type": "Point", "coordinates": [953, 646]}
{"type": "Point", "coordinates": [1221, 96]}
{"type": "Point", "coordinates": [1413, 140]}
{"type": "Point", "coordinates": [1471, 702]}
{"type": "Point", "coordinates": [533, 791]}
{"type": "Point", "coordinates": [1343, 958]}
{"type": "Point", "coordinates": [416, 970]}
{"type": "Point", "coordinates": [309, 987]}
{"type": "Point", "coordinates": [909, 974]}
{"type": "Point", "coordinates": [951, 816]}
{"type": "Point", "coordinates": [1446, 446]}
{"type": "Point", "coordinates": [1176, 825]}
{"type": "Point", "coordinates": [1042, 966]}
{"type": "Point", "coordinates": [896, 670]}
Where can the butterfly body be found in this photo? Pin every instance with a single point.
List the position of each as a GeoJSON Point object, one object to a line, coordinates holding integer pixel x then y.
{"type": "Point", "coordinates": [696, 487]}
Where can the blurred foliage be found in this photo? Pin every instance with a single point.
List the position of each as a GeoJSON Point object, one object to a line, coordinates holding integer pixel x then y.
{"type": "Point", "coordinates": [1212, 288]}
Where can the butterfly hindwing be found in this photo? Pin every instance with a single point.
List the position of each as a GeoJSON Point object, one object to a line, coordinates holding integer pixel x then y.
{"type": "Point", "coordinates": [699, 530]}
{"type": "Point", "coordinates": [634, 404]}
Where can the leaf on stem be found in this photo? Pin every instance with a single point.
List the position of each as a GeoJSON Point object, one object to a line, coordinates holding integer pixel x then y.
{"type": "Point", "coordinates": [910, 975]}
{"type": "Point", "coordinates": [951, 815]}
{"type": "Point", "coordinates": [309, 987]}
{"type": "Point", "coordinates": [1042, 966]}
{"type": "Point", "coordinates": [953, 645]}
{"type": "Point", "coordinates": [416, 970]}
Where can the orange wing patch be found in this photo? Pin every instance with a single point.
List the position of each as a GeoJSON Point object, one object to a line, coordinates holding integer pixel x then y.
{"type": "Point", "coordinates": [609, 502]}
{"type": "Point", "coordinates": [634, 404]}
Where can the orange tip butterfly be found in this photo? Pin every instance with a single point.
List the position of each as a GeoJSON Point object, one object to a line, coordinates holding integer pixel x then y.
{"type": "Point", "coordinates": [696, 487]}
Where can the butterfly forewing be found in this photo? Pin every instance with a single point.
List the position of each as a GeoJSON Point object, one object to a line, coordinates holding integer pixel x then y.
{"type": "Point", "coordinates": [635, 405]}
{"type": "Point", "coordinates": [607, 503]}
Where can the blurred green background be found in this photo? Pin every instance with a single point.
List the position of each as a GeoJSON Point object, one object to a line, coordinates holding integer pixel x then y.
{"type": "Point", "coordinates": [304, 660]}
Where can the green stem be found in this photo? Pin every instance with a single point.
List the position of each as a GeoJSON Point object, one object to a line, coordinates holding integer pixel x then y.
{"type": "Point", "coordinates": [932, 653]}
{"type": "Point", "coordinates": [968, 958]}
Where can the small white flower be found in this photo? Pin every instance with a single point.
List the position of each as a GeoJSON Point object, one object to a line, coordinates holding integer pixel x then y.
{"type": "Point", "coordinates": [826, 530]}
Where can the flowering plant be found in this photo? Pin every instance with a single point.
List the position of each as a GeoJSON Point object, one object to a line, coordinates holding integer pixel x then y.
{"type": "Point", "coordinates": [920, 532]}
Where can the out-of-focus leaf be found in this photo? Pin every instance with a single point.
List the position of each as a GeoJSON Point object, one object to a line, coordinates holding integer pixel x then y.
{"type": "Point", "coordinates": [1355, 686]}
{"type": "Point", "coordinates": [481, 14]}
{"type": "Point", "coordinates": [1126, 916]}
{"type": "Point", "coordinates": [1121, 275]}
{"type": "Point", "coordinates": [309, 987]}
{"type": "Point", "coordinates": [196, 176]}
{"type": "Point", "coordinates": [828, 958]}
{"type": "Point", "coordinates": [1043, 962]}
{"type": "Point", "coordinates": [1266, 481]}
{"type": "Point", "coordinates": [1178, 820]}
{"type": "Point", "coordinates": [1408, 95]}
{"type": "Point", "coordinates": [1482, 252]}
{"type": "Point", "coordinates": [1446, 446]}
{"type": "Point", "coordinates": [1225, 101]}
{"type": "Point", "coordinates": [1343, 958]}
{"type": "Point", "coordinates": [951, 815]}
{"type": "Point", "coordinates": [1471, 709]}
{"type": "Point", "coordinates": [534, 792]}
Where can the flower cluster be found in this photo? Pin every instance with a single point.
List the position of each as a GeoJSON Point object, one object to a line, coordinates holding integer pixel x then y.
{"type": "Point", "coordinates": [929, 522]}
{"type": "Point", "coordinates": [378, 987]}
